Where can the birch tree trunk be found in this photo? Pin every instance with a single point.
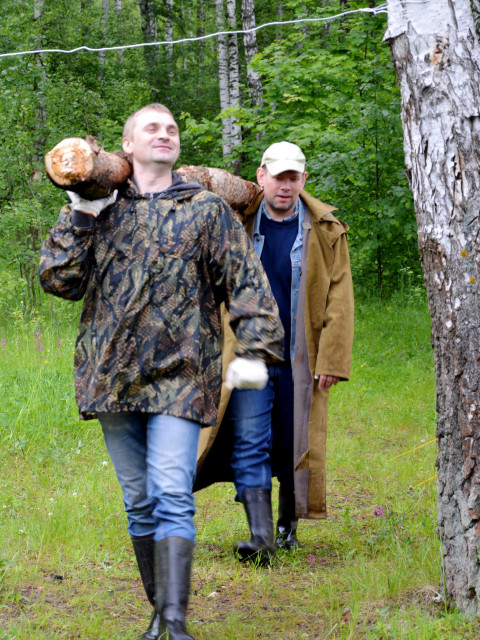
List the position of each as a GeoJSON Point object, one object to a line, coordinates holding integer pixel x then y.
{"type": "Point", "coordinates": [39, 88]}
{"type": "Point", "coordinates": [437, 60]}
{"type": "Point", "coordinates": [105, 12]}
{"type": "Point", "coordinates": [152, 54]}
{"type": "Point", "coordinates": [234, 78]}
{"type": "Point", "coordinates": [251, 49]}
{"type": "Point", "coordinates": [169, 38]}
{"type": "Point", "coordinates": [223, 77]}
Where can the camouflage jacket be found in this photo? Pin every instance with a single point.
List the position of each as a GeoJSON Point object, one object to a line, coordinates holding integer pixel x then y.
{"type": "Point", "coordinates": [153, 270]}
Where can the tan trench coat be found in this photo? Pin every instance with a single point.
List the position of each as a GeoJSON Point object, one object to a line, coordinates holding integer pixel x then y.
{"type": "Point", "coordinates": [323, 345]}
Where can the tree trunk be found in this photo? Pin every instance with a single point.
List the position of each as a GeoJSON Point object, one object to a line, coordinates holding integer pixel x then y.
{"type": "Point", "coordinates": [233, 75]}
{"type": "Point", "coordinates": [437, 60]}
{"type": "Point", "coordinates": [105, 15]}
{"type": "Point", "coordinates": [251, 49]}
{"type": "Point", "coordinates": [152, 54]}
{"type": "Point", "coordinates": [223, 77]}
{"type": "Point", "coordinates": [169, 38]}
{"type": "Point", "coordinates": [82, 166]}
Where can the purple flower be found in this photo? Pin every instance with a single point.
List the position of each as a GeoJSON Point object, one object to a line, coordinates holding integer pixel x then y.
{"type": "Point", "coordinates": [379, 512]}
{"type": "Point", "coordinates": [311, 559]}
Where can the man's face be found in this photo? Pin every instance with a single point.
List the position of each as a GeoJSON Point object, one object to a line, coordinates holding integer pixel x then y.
{"type": "Point", "coordinates": [154, 139]}
{"type": "Point", "coordinates": [281, 191]}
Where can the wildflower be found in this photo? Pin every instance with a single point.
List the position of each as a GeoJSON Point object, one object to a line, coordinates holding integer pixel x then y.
{"type": "Point", "coordinates": [379, 512]}
{"type": "Point", "coordinates": [74, 494]}
{"type": "Point", "coordinates": [311, 559]}
{"type": "Point", "coordinates": [472, 280]}
{"type": "Point", "coordinates": [464, 253]}
{"type": "Point", "coordinates": [105, 463]}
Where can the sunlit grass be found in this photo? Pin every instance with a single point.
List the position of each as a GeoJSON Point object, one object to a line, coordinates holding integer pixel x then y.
{"type": "Point", "coordinates": [370, 570]}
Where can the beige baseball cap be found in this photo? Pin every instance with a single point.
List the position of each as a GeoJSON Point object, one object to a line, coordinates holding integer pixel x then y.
{"type": "Point", "coordinates": [283, 156]}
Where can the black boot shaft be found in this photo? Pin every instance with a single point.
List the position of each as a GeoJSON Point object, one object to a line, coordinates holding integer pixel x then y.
{"type": "Point", "coordinates": [258, 507]}
{"type": "Point", "coordinates": [173, 562]}
{"type": "Point", "coordinates": [286, 537]}
{"type": "Point", "coordinates": [144, 549]}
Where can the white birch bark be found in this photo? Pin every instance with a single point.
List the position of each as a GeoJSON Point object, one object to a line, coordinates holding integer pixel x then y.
{"type": "Point", "coordinates": [223, 77]}
{"type": "Point", "coordinates": [436, 56]}
{"type": "Point", "coordinates": [251, 49]}
{"type": "Point", "coordinates": [233, 72]}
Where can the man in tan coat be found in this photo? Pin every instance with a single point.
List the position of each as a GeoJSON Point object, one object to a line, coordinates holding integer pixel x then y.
{"type": "Point", "coordinates": [303, 249]}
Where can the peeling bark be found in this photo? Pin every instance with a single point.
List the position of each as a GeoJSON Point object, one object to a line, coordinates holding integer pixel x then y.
{"type": "Point", "coordinates": [437, 60]}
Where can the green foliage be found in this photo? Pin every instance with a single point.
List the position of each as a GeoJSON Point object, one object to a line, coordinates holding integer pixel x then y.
{"type": "Point", "coordinates": [370, 570]}
{"type": "Point", "coordinates": [328, 86]}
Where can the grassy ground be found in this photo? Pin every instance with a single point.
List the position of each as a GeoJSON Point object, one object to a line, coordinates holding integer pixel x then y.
{"type": "Point", "coordinates": [371, 570]}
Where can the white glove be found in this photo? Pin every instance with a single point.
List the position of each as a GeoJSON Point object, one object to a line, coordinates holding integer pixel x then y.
{"type": "Point", "coordinates": [246, 373]}
{"type": "Point", "coordinates": [94, 207]}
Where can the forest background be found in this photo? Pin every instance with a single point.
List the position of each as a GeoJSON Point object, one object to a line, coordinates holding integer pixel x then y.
{"type": "Point", "coordinates": [327, 86]}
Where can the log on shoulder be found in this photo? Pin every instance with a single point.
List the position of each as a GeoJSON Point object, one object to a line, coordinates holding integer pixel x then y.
{"type": "Point", "coordinates": [238, 193]}
{"type": "Point", "coordinates": [84, 167]}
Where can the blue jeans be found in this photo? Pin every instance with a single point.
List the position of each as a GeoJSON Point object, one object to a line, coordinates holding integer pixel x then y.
{"type": "Point", "coordinates": [262, 423]}
{"type": "Point", "coordinates": [155, 458]}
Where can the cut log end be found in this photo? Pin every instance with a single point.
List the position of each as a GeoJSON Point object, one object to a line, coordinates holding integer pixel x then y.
{"type": "Point", "coordinates": [70, 162]}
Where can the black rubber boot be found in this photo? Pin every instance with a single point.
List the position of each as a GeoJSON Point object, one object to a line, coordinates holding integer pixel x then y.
{"type": "Point", "coordinates": [156, 630]}
{"type": "Point", "coordinates": [173, 561]}
{"type": "Point", "coordinates": [286, 537]}
{"type": "Point", "coordinates": [258, 507]}
{"type": "Point", "coordinates": [144, 548]}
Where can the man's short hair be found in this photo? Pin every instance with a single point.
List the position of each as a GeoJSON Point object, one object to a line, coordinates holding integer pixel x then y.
{"type": "Point", "coordinates": [130, 123]}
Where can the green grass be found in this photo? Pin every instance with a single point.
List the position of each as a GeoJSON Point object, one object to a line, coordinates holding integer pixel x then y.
{"type": "Point", "coordinates": [66, 565]}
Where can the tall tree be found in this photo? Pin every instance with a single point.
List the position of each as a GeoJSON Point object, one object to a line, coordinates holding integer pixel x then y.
{"type": "Point", "coordinates": [169, 38]}
{"type": "Point", "coordinates": [437, 59]}
{"type": "Point", "coordinates": [152, 53]}
{"type": "Point", "coordinates": [251, 49]}
{"type": "Point", "coordinates": [228, 75]}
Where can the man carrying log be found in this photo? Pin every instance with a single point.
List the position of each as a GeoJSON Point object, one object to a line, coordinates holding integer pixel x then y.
{"type": "Point", "coordinates": [304, 251]}
{"type": "Point", "coordinates": [153, 265]}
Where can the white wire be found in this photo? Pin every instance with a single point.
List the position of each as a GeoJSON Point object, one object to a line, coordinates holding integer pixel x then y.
{"type": "Point", "coordinates": [374, 10]}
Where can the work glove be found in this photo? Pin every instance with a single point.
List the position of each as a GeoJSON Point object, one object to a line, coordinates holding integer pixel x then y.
{"type": "Point", "coordinates": [93, 207]}
{"type": "Point", "coordinates": [246, 373]}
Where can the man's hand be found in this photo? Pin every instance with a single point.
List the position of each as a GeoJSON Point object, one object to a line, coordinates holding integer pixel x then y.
{"type": "Point", "coordinates": [93, 207]}
{"type": "Point", "coordinates": [325, 382]}
{"type": "Point", "coordinates": [245, 373]}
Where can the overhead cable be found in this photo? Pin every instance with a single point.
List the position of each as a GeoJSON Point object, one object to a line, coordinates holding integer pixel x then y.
{"type": "Point", "coordinates": [375, 10]}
